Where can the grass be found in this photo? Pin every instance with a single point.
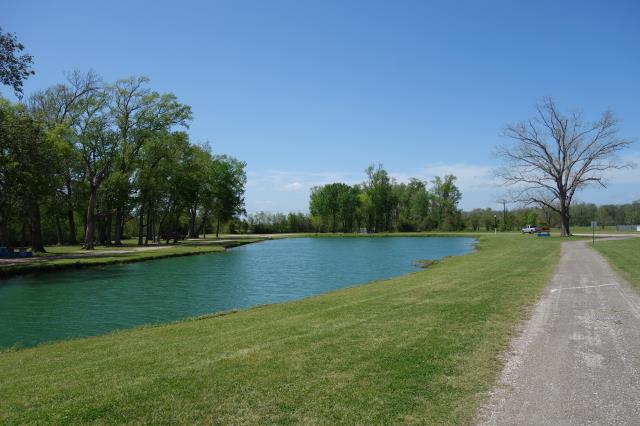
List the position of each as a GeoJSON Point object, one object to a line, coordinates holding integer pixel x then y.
{"type": "Point", "coordinates": [45, 263]}
{"type": "Point", "coordinates": [421, 348]}
{"type": "Point", "coordinates": [599, 230]}
{"type": "Point", "coordinates": [624, 255]}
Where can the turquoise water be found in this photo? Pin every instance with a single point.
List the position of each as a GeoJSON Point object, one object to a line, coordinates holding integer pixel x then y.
{"type": "Point", "coordinates": [62, 305]}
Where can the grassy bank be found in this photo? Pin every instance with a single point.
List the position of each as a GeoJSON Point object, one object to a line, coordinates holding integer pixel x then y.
{"type": "Point", "coordinates": [62, 257]}
{"type": "Point", "coordinates": [624, 255]}
{"type": "Point", "coordinates": [422, 348]}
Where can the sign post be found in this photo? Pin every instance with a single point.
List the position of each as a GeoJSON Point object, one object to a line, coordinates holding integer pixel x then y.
{"type": "Point", "coordinates": [593, 231]}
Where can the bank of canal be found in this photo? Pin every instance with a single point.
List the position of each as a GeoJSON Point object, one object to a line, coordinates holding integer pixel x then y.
{"type": "Point", "coordinates": [45, 307]}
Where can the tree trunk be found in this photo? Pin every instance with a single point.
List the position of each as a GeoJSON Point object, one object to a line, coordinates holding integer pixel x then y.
{"type": "Point", "coordinates": [117, 240]}
{"type": "Point", "coordinates": [4, 231]}
{"type": "Point", "coordinates": [192, 222]}
{"type": "Point", "coordinates": [565, 219]}
{"type": "Point", "coordinates": [36, 231]}
{"type": "Point", "coordinates": [218, 228]}
{"type": "Point", "coordinates": [102, 230]}
{"type": "Point", "coordinates": [90, 230]}
{"type": "Point", "coordinates": [73, 238]}
{"type": "Point", "coordinates": [149, 235]}
{"type": "Point", "coordinates": [140, 223]}
{"type": "Point", "coordinates": [23, 234]}
{"type": "Point", "coordinates": [59, 236]}
{"type": "Point", "coordinates": [203, 223]}
{"type": "Point", "coordinates": [107, 229]}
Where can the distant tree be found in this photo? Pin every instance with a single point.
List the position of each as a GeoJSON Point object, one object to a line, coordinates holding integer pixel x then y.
{"type": "Point", "coordinates": [445, 199]}
{"type": "Point", "coordinates": [556, 155]}
{"type": "Point", "coordinates": [336, 206]}
{"type": "Point", "coordinates": [227, 184]}
{"type": "Point", "coordinates": [412, 210]}
{"type": "Point", "coordinates": [632, 213]}
{"type": "Point", "coordinates": [582, 214]}
{"type": "Point", "coordinates": [14, 67]}
{"type": "Point", "coordinates": [379, 188]}
{"type": "Point", "coordinates": [319, 206]}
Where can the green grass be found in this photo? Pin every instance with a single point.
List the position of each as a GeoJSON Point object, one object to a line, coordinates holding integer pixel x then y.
{"type": "Point", "coordinates": [44, 263]}
{"type": "Point", "coordinates": [421, 348]}
{"type": "Point", "coordinates": [599, 230]}
{"type": "Point", "coordinates": [624, 255]}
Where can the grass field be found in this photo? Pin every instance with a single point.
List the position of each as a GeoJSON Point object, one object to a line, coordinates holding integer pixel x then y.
{"type": "Point", "coordinates": [110, 255]}
{"type": "Point", "coordinates": [599, 230]}
{"type": "Point", "coordinates": [421, 348]}
{"type": "Point", "coordinates": [624, 255]}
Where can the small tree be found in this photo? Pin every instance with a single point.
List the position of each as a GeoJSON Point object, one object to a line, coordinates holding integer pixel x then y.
{"type": "Point", "coordinates": [555, 155]}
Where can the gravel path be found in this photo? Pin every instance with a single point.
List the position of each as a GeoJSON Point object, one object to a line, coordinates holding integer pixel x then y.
{"type": "Point", "coordinates": [577, 360]}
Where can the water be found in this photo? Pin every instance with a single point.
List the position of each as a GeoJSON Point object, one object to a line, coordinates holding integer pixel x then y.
{"type": "Point", "coordinates": [62, 305]}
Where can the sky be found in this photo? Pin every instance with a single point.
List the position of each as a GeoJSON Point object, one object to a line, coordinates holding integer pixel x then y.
{"type": "Point", "coordinates": [312, 92]}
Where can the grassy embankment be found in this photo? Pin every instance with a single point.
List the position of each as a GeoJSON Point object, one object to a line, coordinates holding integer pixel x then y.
{"type": "Point", "coordinates": [624, 255]}
{"type": "Point", "coordinates": [421, 348]}
{"type": "Point", "coordinates": [62, 257]}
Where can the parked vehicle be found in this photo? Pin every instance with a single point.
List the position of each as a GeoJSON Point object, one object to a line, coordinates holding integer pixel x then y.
{"type": "Point", "coordinates": [531, 229]}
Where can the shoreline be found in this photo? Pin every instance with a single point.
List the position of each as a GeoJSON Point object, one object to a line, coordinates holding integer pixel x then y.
{"type": "Point", "coordinates": [476, 241]}
{"type": "Point", "coordinates": [443, 325]}
{"type": "Point", "coordinates": [128, 254]}
{"type": "Point", "coordinates": [103, 258]}
{"type": "Point", "coordinates": [133, 254]}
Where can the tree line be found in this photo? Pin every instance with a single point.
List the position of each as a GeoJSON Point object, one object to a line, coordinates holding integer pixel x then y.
{"type": "Point", "coordinates": [487, 219]}
{"type": "Point", "coordinates": [379, 204]}
{"type": "Point", "coordinates": [98, 161]}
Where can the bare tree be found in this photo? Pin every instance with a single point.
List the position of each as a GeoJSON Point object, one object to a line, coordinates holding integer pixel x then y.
{"type": "Point", "coordinates": [556, 155]}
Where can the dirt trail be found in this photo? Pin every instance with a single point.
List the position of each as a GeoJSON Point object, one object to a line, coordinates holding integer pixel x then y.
{"type": "Point", "coordinates": [577, 360]}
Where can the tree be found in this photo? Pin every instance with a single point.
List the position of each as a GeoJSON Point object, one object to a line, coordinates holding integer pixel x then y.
{"type": "Point", "coordinates": [445, 199]}
{"type": "Point", "coordinates": [29, 170]}
{"type": "Point", "coordinates": [379, 187]}
{"type": "Point", "coordinates": [227, 180]}
{"type": "Point", "coordinates": [139, 114]}
{"type": "Point", "coordinates": [335, 204]}
{"type": "Point", "coordinates": [14, 67]}
{"type": "Point", "coordinates": [59, 108]}
{"type": "Point", "coordinates": [92, 136]}
{"type": "Point", "coordinates": [556, 155]}
{"type": "Point", "coordinates": [193, 178]}
{"type": "Point", "coordinates": [319, 206]}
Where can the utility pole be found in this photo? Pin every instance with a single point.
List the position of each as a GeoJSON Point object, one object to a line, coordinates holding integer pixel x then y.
{"type": "Point", "coordinates": [504, 212]}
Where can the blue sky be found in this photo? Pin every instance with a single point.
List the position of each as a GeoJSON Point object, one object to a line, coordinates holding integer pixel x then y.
{"type": "Point", "coordinates": [310, 92]}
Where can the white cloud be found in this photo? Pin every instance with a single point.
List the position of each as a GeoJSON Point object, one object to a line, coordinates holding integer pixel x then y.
{"type": "Point", "coordinates": [469, 176]}
{"type": "Point", "coordinates": [293, 186]}
{"type": "Point", "coordinates": [288, 190]}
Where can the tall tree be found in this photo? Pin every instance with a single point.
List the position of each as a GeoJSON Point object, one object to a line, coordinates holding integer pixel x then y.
{"type": "Point", "coordinates": [139, 114]}
{"type": "Point", "coordinates": [555, 155]}
{"type": "Point", "coordinates": [29, 162]}
{"type": "Point", "coordinates": [93, 137]}
{"type": "Point", "coordinates": [14, 66]}
{"type": "Point", "coordinates": [227, 180]}
{"type": "Point", "coordinates": [379, 187]}
{"type": "Point", "coordinates": [59, 107]}
{"type": "Point", "coordinates": [445, 199]}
